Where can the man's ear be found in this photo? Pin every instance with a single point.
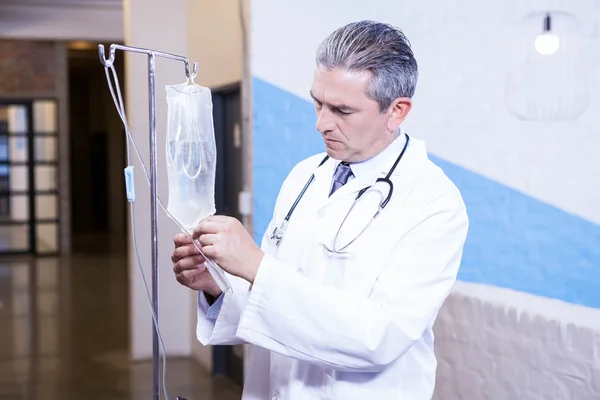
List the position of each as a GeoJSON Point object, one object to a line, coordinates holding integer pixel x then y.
{"type": "Point", "coordinates": [398, 111]}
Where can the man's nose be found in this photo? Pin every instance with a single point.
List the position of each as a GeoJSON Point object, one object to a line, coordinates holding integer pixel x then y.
{"type": "Point", "coordinates": [325, 121]}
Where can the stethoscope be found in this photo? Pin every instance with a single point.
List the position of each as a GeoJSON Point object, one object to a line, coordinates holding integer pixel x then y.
{"type": "Point", "coordinates": [279, 232]}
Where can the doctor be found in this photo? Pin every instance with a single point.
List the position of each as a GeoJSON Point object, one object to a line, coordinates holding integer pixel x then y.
{"type": "Point", "coordinates": [335, 310]}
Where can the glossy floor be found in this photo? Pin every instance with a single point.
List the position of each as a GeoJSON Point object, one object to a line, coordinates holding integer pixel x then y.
{"type": "Point", "coordinates": [64, 335]}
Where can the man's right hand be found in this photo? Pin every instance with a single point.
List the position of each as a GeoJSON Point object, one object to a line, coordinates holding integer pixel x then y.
{"type": "Point", "coordinates": [189, 267]}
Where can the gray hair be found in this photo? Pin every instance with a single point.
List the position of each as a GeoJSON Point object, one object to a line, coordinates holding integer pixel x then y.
{"type": "Point", "coordinates": [376, 47]}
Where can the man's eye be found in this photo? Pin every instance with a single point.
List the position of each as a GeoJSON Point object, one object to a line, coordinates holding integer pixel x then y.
{"type": "Point", "coordinates": [343, 112]}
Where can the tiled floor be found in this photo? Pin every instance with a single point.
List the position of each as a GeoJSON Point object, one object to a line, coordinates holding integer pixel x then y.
{"type": "Point", "coordinates": [63, 335]}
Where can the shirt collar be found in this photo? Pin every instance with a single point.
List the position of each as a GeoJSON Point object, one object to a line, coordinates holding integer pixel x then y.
{"type": "Point", "coordinates": [361, 167]}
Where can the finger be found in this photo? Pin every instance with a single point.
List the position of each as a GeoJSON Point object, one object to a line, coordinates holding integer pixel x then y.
{"type": "Point", "coordinates": [207, 226]}
{"type": "Point", "coordinates": [210, 251]}
{"type": "Point", "coordinates": [191, 273]}
{"type": "Point", "coordinates": [188, 263]}
{"type": "Point", "coordinates": [181, 239]}
{"type": "Point", "coordinates": [186, 276]}
{"type": "Point", "coordinates": [184, 251]}
{"type": "Point", "coordinates": [207, 239]}
{"type": "Point", "coordinates": [218, 218]}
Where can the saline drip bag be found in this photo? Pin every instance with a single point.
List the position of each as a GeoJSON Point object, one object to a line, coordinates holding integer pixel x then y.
{"type": "Point", "coordinates": [191, 154]}
{"type": "Point", "coordinates": [191, 160]}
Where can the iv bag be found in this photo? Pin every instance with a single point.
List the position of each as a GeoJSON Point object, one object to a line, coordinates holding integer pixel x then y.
{"type": "Point", "coordinates": [191, 154]}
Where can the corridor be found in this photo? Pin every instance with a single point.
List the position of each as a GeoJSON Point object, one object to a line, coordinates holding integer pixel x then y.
{"type": "Point", "coordinates": [64, 335]}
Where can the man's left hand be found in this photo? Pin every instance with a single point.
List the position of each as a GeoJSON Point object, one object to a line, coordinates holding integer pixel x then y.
{"type": "Point", "coordinates": [226, 241]}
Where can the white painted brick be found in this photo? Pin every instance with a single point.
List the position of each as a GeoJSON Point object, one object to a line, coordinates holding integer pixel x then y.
{"type": "Point", "coordinates": [488, 350]}
{"type": "Point", "coordinates": [550, 387]}
{"type": "Point", "coordinates": [511, 371]}
{"type": "Point", "coordinates": [597, 348]}
{"type": "Point", "coordinates": [580, 341]}
{"type": "Point", "coordinates": [537, 357]}
{"type": "Point", "coordinates": [596, 380]}
{"type": "Point", "coordinates": [566, 366]}
{"type": "Point", "coordinates": [469, 383]}
{"type": "Point", "coordinates": [477, 336]}
{"type": "Point", "coordinates": [445, 390]}
{"type": "Point", "coordinates": [445, 372]}
{"type": "Point", "coordinates": [529, 396]}
{"type": "Point", "coordinates": [450, 352]}
{"type": "Point", "coordinates": [544, 329]}
{"type": "Point", "coordinates": [577, 388]}
{"type": "Point", "coordinates": [503, 343]}
{"type": "Point", "coordinates": [460, 332]}
{"type": "Point", "coordinates": [493, 390]}
{"type": "Point", "coordinates": [485, 362]}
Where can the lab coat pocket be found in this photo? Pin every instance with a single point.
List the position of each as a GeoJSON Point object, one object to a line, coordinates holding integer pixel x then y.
{"type": "Point", "coordinates": [356, 267]}
{"type": "Point", "coordinates": [355, 271]}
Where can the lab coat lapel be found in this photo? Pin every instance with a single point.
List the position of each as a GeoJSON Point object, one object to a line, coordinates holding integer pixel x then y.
{"type": "Point", "coordinates": [323, 180]}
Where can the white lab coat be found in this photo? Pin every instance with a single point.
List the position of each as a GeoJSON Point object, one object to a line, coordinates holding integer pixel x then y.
{"type": "Point", "coordinates": [356, 326]}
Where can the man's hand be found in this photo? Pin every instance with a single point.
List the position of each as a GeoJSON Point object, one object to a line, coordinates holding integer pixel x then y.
{"type": "Point", "coordinates": [225, 240]}
{"type": "Point", "coordinates": [189, 268]}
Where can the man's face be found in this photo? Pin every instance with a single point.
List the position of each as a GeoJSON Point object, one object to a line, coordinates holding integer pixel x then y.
{"type": "Point", "coordinates": [352, 125]}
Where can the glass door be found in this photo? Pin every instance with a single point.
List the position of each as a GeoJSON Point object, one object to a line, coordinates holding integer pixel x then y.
{"type": "Point", "coordinates": [28, 177]}
{"type": "Point", "coordinates": [45, 176]}
{"type": "Point", "coordinates": [15, 205]}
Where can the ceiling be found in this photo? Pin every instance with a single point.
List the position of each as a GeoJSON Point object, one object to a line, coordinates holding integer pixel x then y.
{"type": "Point", "coordinates": [91, 20]}
{"type": "Point", "coordinates": [64, 3]}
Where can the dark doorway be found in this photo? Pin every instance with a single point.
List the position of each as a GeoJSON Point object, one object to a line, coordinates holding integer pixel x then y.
{"type": "Point", "coordinates": [97, 143]}
{"type": "Point", "coordinates": [228, 360]}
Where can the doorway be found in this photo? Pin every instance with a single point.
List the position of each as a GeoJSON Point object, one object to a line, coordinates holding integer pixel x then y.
{"type": "Point", "coordinates": [228, 360]}
{"type": "Point", "coordinates": [98, 153]}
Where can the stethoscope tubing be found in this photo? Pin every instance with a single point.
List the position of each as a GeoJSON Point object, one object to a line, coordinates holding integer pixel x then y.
{"type": "Point", "coordinates": [382, 204]}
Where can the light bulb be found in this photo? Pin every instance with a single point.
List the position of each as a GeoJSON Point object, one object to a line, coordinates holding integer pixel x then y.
{"type": "Point", "coordinates": [547, 43]}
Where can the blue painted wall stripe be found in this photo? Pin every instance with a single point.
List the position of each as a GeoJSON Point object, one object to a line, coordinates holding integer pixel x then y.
{"type": "Point", "coordinates": [515, 241]}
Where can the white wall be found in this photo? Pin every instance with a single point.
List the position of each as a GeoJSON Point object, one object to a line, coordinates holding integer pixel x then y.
{"type": "Point", "coordinates": [215, 40]}
{"type": "Point", "coordinates": [462, 50]}
{"type": "Point", "coordinates": [531, 188]}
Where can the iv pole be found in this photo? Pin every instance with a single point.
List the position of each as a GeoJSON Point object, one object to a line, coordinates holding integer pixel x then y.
{"type": "Point", "coordinates": [153, 196]}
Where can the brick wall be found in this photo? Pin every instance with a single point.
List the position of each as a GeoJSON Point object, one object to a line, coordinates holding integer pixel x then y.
{"type": "Point", "coordinates": [490, 347]}
{"type": "Point", "coordinates": [27, 67]}
{"type": "Point", "coordinates": [31, 69]}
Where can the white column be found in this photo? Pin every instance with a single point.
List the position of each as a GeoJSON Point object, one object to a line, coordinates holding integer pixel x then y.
{"type": "Point", "coordinates": [159, 25]}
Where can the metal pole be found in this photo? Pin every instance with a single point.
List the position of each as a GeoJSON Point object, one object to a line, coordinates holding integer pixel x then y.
{"type": "Point", "coordinates": [154, 220]}
{"type": "Point", "coordinates": [152, 54]}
